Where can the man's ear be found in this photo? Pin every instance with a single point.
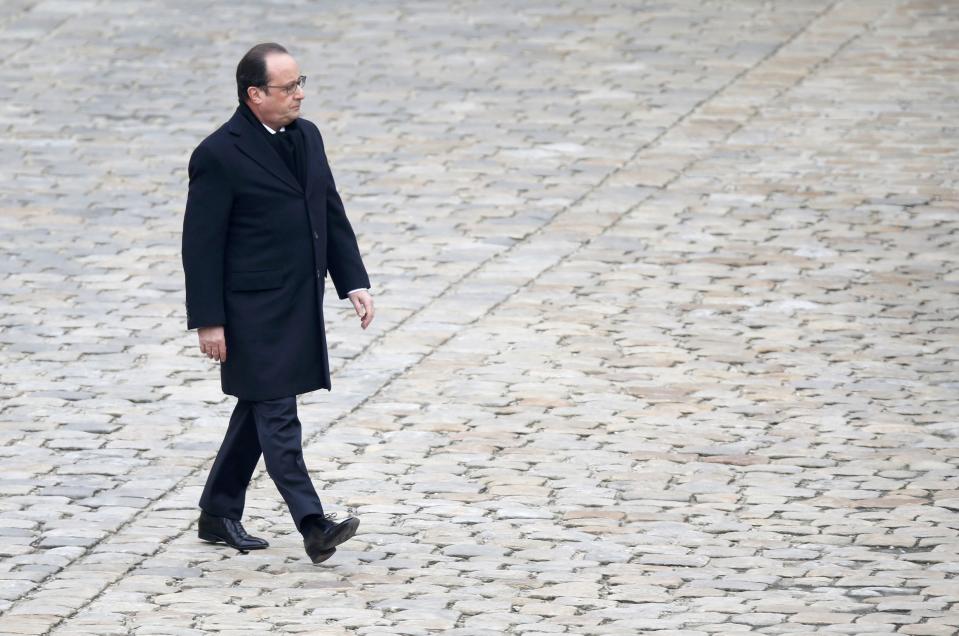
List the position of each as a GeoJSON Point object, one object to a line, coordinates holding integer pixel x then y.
{"type": "Point", "coordinates": [253, 94]}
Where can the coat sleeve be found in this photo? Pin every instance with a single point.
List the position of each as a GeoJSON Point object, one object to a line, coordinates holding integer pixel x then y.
{"type": "Point", "coordinates": [205, 225]}
{"type": "Point", "coordinates": [342, 251]}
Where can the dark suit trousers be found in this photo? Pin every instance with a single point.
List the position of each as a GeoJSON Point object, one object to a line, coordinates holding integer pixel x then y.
{"type": "Point", "coordinates": [272, 428]}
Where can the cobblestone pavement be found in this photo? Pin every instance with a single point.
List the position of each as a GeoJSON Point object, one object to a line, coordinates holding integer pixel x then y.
{"type": "Point", "coordinates": [666, 338]}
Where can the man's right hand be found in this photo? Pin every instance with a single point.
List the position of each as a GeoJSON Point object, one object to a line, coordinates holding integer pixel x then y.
{"type": "Point", "coordinates": [212, 342]}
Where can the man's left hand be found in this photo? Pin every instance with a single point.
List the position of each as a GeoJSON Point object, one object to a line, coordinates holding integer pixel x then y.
{"type": "Point", "coordinates": [363, 304]}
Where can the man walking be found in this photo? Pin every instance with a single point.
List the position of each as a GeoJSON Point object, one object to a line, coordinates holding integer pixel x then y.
{"type": "Point", "coordinates": [263, 226]}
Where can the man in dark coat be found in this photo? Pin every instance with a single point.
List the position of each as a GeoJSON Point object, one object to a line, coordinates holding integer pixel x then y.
{"type": "Point", "coordinates": [263, 226]}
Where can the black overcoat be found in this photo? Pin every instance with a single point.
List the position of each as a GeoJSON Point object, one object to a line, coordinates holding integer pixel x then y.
{"type": "Point", "coordinates": [256, 249]}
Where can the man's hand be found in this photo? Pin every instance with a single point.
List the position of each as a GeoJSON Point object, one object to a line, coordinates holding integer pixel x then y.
{"type": "Point", "coordinates": [213, 342]}
{"type": "Point", "coordinates": [363, 304]}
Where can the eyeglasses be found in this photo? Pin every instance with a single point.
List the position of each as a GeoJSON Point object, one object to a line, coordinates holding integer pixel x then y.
{"type": "Point", "coordinates": [290, 88]}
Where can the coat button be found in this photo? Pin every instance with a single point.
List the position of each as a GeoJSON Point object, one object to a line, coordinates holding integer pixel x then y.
{"type": "Point", "coordinates": [317, 273]}
{"type": "Point", "coordinates": [316, 236]}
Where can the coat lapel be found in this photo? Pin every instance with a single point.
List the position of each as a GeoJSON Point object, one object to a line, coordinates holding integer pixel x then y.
{"type": "Point", "coordinates": [250, 142]}
{"type": "Point", "coordinates": [312, 156]}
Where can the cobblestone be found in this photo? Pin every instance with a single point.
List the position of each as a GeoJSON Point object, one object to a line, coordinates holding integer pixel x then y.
{"type": "Point", "coordinates": [665, 339]}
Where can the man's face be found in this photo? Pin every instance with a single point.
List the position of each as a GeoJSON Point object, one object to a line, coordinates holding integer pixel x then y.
{"type": "Point", "coordinates": [273, 105]}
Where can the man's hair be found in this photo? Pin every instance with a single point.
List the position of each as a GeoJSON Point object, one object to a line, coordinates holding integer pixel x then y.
{"type": "Point", "coordinates": [251, 71]}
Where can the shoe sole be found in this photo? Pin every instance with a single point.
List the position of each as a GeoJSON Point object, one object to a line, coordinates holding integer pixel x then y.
{"type": "Point", "coordinates": [326, 551]}
{"type": "Point", "coordinates": [212, 538]}
{"type": "Point", "coordinates": [322, 556]}
{"type": "Point", "coordinates": [347, 533]}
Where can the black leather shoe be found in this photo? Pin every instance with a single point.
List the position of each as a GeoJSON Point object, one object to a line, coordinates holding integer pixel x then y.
{"type": "Point", "coordinates": [323, 535]}
{"type": "Point", "coordinates": [228, 531]}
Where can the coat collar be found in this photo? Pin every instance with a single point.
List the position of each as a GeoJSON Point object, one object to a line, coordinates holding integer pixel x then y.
{"type": "Point", "coordinates": [254, 145]}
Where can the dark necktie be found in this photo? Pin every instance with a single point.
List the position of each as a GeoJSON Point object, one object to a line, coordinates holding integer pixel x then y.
{"type": "Point", "coordinates": [287, 151]}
